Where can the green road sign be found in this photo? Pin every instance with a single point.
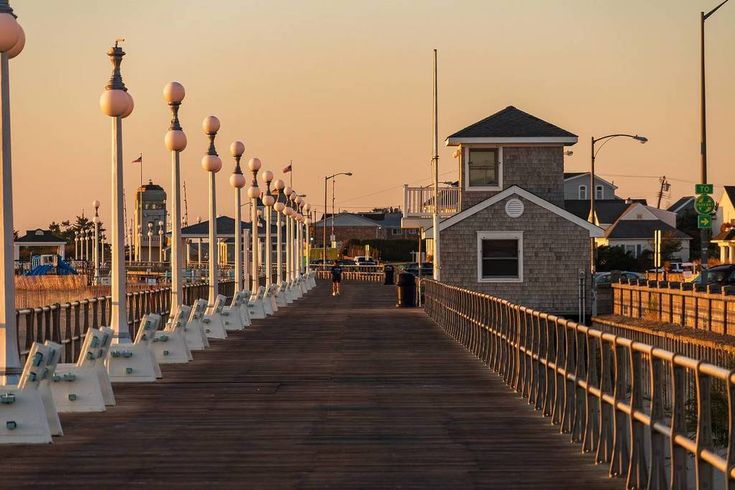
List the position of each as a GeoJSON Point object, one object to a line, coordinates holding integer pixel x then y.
{"type": "Point", "coordinates": [704, 204]}
{"type": "Point", "coordinates": [704, 188]}
{"type": "Point", "coordinates": [704, 221]}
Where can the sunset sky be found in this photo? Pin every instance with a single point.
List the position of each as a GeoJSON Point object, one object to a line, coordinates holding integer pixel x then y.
{"type": "Point", "coordinates": [346, 86]}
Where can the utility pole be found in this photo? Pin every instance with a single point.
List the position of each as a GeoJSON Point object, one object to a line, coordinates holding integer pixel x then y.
{"type": "Point", "coordinates": [665, 187]}
{"type": "Point", "coordinates": [435, 169]}
{"type": "Point", "coordinates": [186, 208]}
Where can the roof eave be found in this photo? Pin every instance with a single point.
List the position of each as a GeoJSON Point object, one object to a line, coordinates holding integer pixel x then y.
{"type": "Point", "coordinates": [500, 140]}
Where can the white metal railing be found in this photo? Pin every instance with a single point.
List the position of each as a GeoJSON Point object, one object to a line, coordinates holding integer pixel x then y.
{"type": "Point", "coordinates": [418, 202]}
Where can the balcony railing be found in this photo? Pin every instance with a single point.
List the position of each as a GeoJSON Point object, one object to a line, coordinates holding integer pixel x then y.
{"type": "Point", "coordinates": [418, 202]}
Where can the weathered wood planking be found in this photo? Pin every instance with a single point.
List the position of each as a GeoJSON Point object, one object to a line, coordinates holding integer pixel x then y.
{"type": "Point", "coordinates": [338, 393]}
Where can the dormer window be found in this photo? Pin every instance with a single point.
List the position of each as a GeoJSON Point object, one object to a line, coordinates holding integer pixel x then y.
{"type": "Point", "coordinates": [483, 167]}
{"type": "Point", "coordinates": [582, 192]}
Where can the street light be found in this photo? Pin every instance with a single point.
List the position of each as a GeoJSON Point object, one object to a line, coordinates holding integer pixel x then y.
{"type": "Point", "coordinates": [212, 163]}
{"type": "Point", "coordinates": [593, 155]}
{"type": "Point", "coordinates": [705, 232]}
{"type": "Point", "coordinates": [175, 141]}
{"type": "Point", "coordinates": [76, 245]}
{"type": "Point", "coordinates": [253, 193]}
{"type": "Point", "coordinates": [279, 207]}
{"type": "Point", "coordinates": [116, 103]}
{"type": "Point", "coordinates": [307, 242]}
{"type": "Point", "coordinates": [12, 41]}
{"type": "Point", "coordinates": [324, 217]}
{"type": "Point", "coordinates": [237, 180]}
{"type": "Point", "coordinates": [268, 201]}
{"type": "Point", "coordinates": [288, 211]}
{"type": "Point", "coordinates": [95, 249]}
{"type": "Point", "coordinates": [160, 242]}
{"type": "Point", "coordinates": [150, 242]}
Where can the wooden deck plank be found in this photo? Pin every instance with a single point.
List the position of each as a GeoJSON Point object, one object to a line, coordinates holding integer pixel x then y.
{"type": "Point", "coordinates": [338, 392]}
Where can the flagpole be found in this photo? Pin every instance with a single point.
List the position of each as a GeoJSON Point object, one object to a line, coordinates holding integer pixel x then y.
{"type": "Point", "coordinates": [141, 170]}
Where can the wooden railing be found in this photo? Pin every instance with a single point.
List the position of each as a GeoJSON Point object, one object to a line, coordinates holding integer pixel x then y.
{"type": "Point", "coordinates": [67, 323]}
{"type": "Point", "coordinates": [592, 384]}
{"type": "Point", "coordinates": [418, 202]}
{"type": "Point", "coordinates": [680, 303]}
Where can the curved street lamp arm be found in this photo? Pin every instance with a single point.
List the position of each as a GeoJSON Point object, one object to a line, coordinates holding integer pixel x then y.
{"type": "Point", "coordinates": [705, 16]}
{"type": "Point", "coordinates": [616, 135]}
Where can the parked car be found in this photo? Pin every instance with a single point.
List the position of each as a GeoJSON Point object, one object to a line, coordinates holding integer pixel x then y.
{"type": "Point", "coordinates": [687, 269]}
{"type": "Point", "coordinates": [721, 275]}
{"type": "Point", "coordinates": [427, 268]}
{"type": "Point", "coordinates": [604, 278]}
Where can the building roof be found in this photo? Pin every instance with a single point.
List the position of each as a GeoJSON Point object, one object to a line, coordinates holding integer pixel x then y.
{"type": "Point", "coordinates": [40, 236]}
{"type": "Point", "coordinates": [636, 229]}
{"type": "Point", "coordinates": [727, 235]}
{"type": "Point", "coordinates": [225, 228]}
{"type": "Point", "coordinates": [574, 175]}
{"type": "Point", "coordinates": [150, 186]}
{"type": "Point", "coordinates": [730, 191]}
{"type": "Point", "coordinates": [594, 230]}
{"type": "Point", "coordinates": [607, 210]}
{"type": "Point", "coordinates": [681, 204]}
{"type": "Point", "coordinates": [348, 220]}
{"type": "Point", "coordinates": [387, 220]}
{"type": "Point", "coordinates": [510, 124]}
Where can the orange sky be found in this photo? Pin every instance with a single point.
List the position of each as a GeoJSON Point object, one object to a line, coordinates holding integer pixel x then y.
{"type": "Point", "coordinates": [346, 86]}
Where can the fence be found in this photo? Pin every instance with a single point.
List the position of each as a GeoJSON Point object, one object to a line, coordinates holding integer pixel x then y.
{"type": "Point", "coordinates": [592, 384]}
{"type": "Point", "coordinates": [680, 303]}
{"type": "Point", "coordinates": [67, 323]}
{"type": "Point", "coordinates": [349, 275]}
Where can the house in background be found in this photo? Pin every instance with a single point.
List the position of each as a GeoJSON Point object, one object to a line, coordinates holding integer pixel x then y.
{"type": "Point", "coordinates": [576, 186]}
{"type": "Point", "coordinates": [683, 206]}
{"type": "Point", "coordinates": [510, 235]}
{"type": "Point", "coordinates": [725, 223]}
{"type": "Point", "coordinates": [43, 241]}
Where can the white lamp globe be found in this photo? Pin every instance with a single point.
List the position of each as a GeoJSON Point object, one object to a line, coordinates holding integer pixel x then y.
{"type": "Point", "coordinates": [307, 207]}
{"type": "Point", "coordinates": [211, 163]}
{"type": "Point", "coordinates": [253, 192]}
{"type": "Point", "coordinates": [95, 204]}
{"type": "Point", "coordinates": [9, 32]}
{"type": "Point", "coordinates": [288, 191]}
{"type": "Point", "coordinates": [279, 184]}
{"type": "Point", "coordinates": [174, 93]}
{"type": "Point", "coordinates": [307, 221]}
{"type": "Point", "coordinates": [210, 125]}
{"type": "Point", "coordinates": [299, 200]}
{"type": "Point", "coordinates": [254, 164]}
{"type": "Point", "coordinates": [268, 200]}
{"type": "Point", "coordinates": [175, 140]}
{"type": "Point", "coordinates": [237, 181]}
{"type": "Point", "coordinates": [279, 206]}
{"type": "Point", "coordinates": [237, 148]}
{"type": "Point", "coordinates": [267, 175]}
{"type": "Point", "coordinates": [19, 44]}
{"type": "Point", "coordinates": [131, 105]}
{"type": "Point", "coordinates": [114, 103]}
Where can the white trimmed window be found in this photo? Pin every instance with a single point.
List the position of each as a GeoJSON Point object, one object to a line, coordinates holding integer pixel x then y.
{"type": "Point", "coordinates": [483, 168]}
{"type": "Point", "coordinates": [599, 194]}
{"type": "Point", "coordinates": [499, 256]}
{"type": "Point", "coordinates": [582, 192]}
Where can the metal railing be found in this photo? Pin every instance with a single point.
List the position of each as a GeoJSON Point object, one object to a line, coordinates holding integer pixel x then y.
{"type": "Point", "coordinates": [67, 323]}
{"type": "Point", "coordinates": [418, 202]}
{"type": "Point", "coordinates": [592, 384]}
{"type": "Point", "coordinates": [355, 276]}
{"type": "Point", "coordinates": [680, 303]}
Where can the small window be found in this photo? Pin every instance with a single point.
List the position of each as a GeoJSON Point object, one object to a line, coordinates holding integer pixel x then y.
{"type": "Point", "coordinates": [583, 192]}
{"type": "Point", "coordinates": [396, 231]}
{"type": "Point", "coordinates": [483, 167]}
{"type": "Point", "coordinates": [500, 257]}
{"type": "Point", "coordinates": [599, 194]}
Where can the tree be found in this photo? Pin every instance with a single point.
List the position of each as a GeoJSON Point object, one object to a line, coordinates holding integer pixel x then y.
{"type": "Point", "coordinates": [615, 258]}
{"type": "Point", "coordinates": [68, 231]}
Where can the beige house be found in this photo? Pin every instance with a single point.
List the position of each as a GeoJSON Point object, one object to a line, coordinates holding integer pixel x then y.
{"type": "Point", "coordinates": [725, 223]}
{"type": "Point", "coordinates": [511, 236]}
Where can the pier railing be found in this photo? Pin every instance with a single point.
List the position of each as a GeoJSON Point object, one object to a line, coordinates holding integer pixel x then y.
{"type": "Point", "coordinates": [592, 385]}
{"type": "Point", "coordinates": [684, 304]}
{"type": "Point", "coordinates": [67, 323]}
{"type": "Point", "coordinates": [418, 202]}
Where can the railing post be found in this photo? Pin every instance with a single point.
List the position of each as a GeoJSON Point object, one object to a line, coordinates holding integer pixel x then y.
{"type": "Point", "coordinates": [702, 469]}
{"type": "Point", "coordinates": [678, 427]}
{"type": "Point", "coordinates": [657, 478]}
{"type": "Point", "coordinates": [637, 469]}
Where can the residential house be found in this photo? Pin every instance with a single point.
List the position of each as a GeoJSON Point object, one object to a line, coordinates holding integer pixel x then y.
{"type": "Point", "coordinates": [683, 206]}
{"type": "Point", "coordinates": [381, 225]}
{"type": "Point", "coordinates": [576, 186]}
{"type": "Point", "coordinates": [724, 225]}
{"type": "Point", "coordinates": [512, 237]}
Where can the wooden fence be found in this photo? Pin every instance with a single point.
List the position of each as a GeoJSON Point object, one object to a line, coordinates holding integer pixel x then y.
{"type": "Point", "coordinates": [67, 323]}
{"type": "Point", "coordinates": [680, 303]}
{"type": "Point", "coordinates": [592, 385]}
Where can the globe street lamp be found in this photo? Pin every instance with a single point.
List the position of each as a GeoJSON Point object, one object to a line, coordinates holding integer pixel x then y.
{"type": "Point", "coordinates": [102, 250]}
{"type": "Point", "coordinates": [12, 41]}
{"type": "Point", "coordinates": [76, 245]}
{"type": "Point", "coordinates": [279, 207]}
{"type": "Point", "coordinates": [253, 193]}
{"type": "Point", "coordinates": [324, 216]}
{"type": "Point", "coordinates": [268, 201]}
{"type": "Point", "coordinates": [150, 242]}
{"type": "Point", "coordinates": [307, 223]}
{"type": "Point", "coordinates": [212, 163]}
{"type": "Point", "coordinates": [175, 141]}
{"type": "Point", "coordinates": [95, 249]}
{"type": "Point", "coordinates": [116, 103]}
{"type": "Point", "coordinates": [160, 242]}
{"type": "Point", "coordinates": [237, 180]}
{"type": "Point", "coordinates": [289, 236]}
{"type": "Point", "coordinates": [139, 245]}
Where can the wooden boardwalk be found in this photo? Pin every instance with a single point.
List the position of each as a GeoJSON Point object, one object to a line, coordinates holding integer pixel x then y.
{"type": "Point", "coordinates": [345, 392]}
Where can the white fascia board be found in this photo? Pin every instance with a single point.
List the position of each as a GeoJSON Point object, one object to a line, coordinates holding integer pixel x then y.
{"type": "Point", "coordinates": [586, 176]}
{"type": "Point", "coordinates": [594, 231]}
{"type": "Point", "coordinates": [529, 140]}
